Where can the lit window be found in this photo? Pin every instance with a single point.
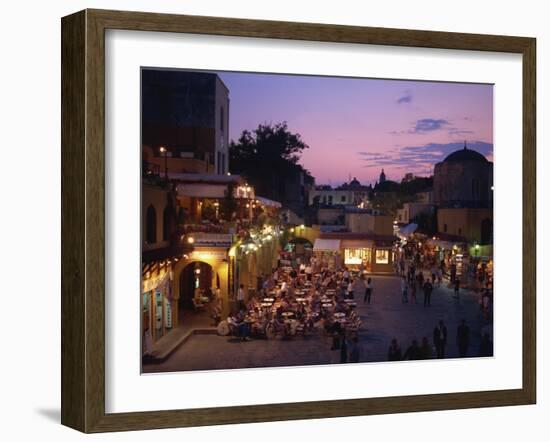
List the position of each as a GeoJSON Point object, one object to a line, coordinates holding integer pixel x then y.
{"type": "Point", "coordinates": [382, 257]}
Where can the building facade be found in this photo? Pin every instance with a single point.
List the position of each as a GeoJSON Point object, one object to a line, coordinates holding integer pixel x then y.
{"type": "Point", "coordinates": [185, 118]}
{"type": "Point", "coordinates": [464, 179]}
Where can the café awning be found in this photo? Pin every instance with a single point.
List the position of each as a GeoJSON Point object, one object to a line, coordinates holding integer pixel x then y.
{"type": "Point", "coordinates": [406, 231]}
{"type": "Point", "coordinates": [326, 245]}
{"type": "Point", "coordinates": [268, 202]}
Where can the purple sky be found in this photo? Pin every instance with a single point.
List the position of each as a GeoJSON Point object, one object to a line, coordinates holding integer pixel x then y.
{"type": "Point", "coordinates": [359, 126]}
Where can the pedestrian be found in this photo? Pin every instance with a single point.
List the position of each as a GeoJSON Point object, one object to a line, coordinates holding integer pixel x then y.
{"type": "Point", "coordinates": [428, 288]}
{"type": "Point", "coordinates": [453, 272]}
{"type": "Point", "coordinates": [240, 297]}
{"type": "Point", "coordinates": [440, 339]}
{"type": "Point", "coordinates": [486, 347]}
{"type": "Point", "coordinates": [463, 338]}
{"type": "Point", "coordinates": [343, 351]}
{"type": "Point", "coordinates": [354, 352]}
{"type": "Point", "coordinates": [413, 352]}
{"type": "Point", "coordinates": [457, 288]}
{"type": "Point", "coordinates": [394, 351]}
{"type": "Point", "coordinates": [426, 349]}
{"type": "Point", "coordinates": [350, 289]}
{"type": "Point", "coordinates": [413, 292]}
{"type": "Point", "coordinates": [485, 300]}
{"type": "Point", "coordinates": [404, 293]}
{"type": "Point", "coordinates": [368, 291]}
{"type": "Point", "coordinates": [346, 275]}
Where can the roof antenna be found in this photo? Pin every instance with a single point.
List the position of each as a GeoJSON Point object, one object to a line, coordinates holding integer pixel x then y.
{"type": "Point", "coordinates": [464, 144]}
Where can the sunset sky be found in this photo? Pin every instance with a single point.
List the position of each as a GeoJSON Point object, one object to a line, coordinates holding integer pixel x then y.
{"type": "Point", "coordinates": [356, 127]}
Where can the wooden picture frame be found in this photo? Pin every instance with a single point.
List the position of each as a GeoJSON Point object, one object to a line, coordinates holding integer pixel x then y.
{"type": "Point", "coordinates": [83, 220]}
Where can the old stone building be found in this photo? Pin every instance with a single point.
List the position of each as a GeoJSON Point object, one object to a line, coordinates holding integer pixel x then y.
{"type": "Point", "coordinates": [463, 193]}
{"type": "Point", "coordinates": [464, 179]}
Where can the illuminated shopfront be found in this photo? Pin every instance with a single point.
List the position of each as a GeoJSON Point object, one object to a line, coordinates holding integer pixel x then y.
{"type": "Point", "coordinates": [156, 305]}
{"type": "Point", "coordinates": [382, 256]}
{"type": "Point", "coordinates": [358, 256]}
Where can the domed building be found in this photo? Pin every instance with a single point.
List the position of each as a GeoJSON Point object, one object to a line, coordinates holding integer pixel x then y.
{"type": "Point", "coordinates": [463, 194]}
{"type": "Point", "coordinates": [464, 179]}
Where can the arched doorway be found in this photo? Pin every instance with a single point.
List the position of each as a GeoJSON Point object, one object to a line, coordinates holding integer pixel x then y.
{"type": "Point", "coordinates": [486, 231]}
{"type": "Point", "coordinates": [196, 278]}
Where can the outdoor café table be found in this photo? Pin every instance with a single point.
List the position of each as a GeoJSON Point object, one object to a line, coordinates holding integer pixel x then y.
{"type": "Point", "coordinates": [268, 300]}
{"type": "Point", "coordinates": [339, 315]}
{"type": "Point", "coordinates": [287, 314]}
{"type": "Point", "coordinates": [326, 305]}
{"type": "Point", "coordinates": [300, 300]}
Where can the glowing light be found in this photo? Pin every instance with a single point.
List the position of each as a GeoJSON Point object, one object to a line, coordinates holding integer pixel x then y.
{"type": "Point", "coordinates": [190, 240]}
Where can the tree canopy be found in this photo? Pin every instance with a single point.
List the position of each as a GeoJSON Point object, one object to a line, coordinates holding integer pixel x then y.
{"type": "Point", "coordinates": [267, 156]}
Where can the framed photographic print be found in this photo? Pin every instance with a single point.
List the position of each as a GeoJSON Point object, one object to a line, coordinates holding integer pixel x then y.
{"type": "Point", "coordinates": [266, 221]}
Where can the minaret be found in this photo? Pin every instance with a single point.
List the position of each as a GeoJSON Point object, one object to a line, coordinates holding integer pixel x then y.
{"type": "Point", "coordinates": [382, 177]}
{"type": "Point", "coordinates": [465, 145]}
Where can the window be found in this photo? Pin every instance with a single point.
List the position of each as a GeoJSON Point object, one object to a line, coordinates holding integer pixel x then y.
{"type": "Point", "coordinates": [445, 228]}
{"type": "Point", "coordinates": [460, 230]}
{"type": "Point", "coordinates": [343, 199]}
{"type": "Point", "coordinates": [219, 163]}
{"type": "Point", "coordinates": [330, 200]}
{"type": "Point", "coordinates": [357, 256]}
{"type": "Point", "coordinates": [382, 257]}
{"type": "Point", "coordinates": [223, 163]}
{"type": "Point", "coordinates": [151, 226]}
{"type": "Point", "coordinates": [222, 118]}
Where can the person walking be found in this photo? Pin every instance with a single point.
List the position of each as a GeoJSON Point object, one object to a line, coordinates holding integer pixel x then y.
{"type": "Point", "coordinates": [426, 349]}
{"type": "Point", "coordinates": [404, 293]}
{"type": "Point", "coordinates": [354, 352]}
{"type": "Point", "coordinates": [486, 347]}
{"type": "Point", "coordinates": [440, 339]}
{"type": "Point", "coordinates": [343, 351]}
{"type": "Point", "coordinates": [428, 288]}
{"type": "Point", "coordinates": [368, 291]}
{"type": "Point", "coordinates": [350, 289]}
{"type": "Point", "coordinates": [240, 298]}
{"type": "Point", "coordinates": [463, 338]}
{"type": "Point", "coordinates": [394, 351]}
{"type": "Point", "coordinates": [413, 292]}
{"type": "Point", "coordinates": [413, 352]}
{"type": "Point", "coordinates": [457, 288]}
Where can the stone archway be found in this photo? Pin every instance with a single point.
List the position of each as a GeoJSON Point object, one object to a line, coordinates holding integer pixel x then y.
{"type": "Point", "coordinates": [196, 276]}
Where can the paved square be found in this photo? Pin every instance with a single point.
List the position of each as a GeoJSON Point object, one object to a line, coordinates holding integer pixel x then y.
{"type": "Point", "coordinates": [385, 318]}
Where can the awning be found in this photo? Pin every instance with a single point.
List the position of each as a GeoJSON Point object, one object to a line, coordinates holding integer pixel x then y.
{"type": "Point", "coordinates": [406, 231]}
{"type": "Point", "coordinates": [268, 202]}
{"type": "Point", "coordinates": [202, 190]}
{"type": "Point", "coordinates": [326, 245]}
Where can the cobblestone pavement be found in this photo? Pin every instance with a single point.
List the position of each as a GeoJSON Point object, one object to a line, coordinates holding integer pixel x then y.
{"type": "Point", "coordinates": [385, 318]}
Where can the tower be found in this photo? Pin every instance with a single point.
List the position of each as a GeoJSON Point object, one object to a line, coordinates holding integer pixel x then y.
{"type": "Point", "coordinates": [382, 177]}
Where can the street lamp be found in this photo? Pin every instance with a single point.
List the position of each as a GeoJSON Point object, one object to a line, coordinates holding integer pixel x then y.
{"type": "Point", "coordinates": [163, 150]}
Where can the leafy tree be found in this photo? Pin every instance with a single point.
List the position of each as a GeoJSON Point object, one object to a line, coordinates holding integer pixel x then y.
{"type": "Point", "coordinates": [268, 156]}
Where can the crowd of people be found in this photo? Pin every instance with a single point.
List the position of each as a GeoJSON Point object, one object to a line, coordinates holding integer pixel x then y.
{"type": "Point", "coordinates": [303, 296]}
{"type": "Point", "coordinates": [301, 300]}
{"type": "Point", "coordinates": [437, 348]}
